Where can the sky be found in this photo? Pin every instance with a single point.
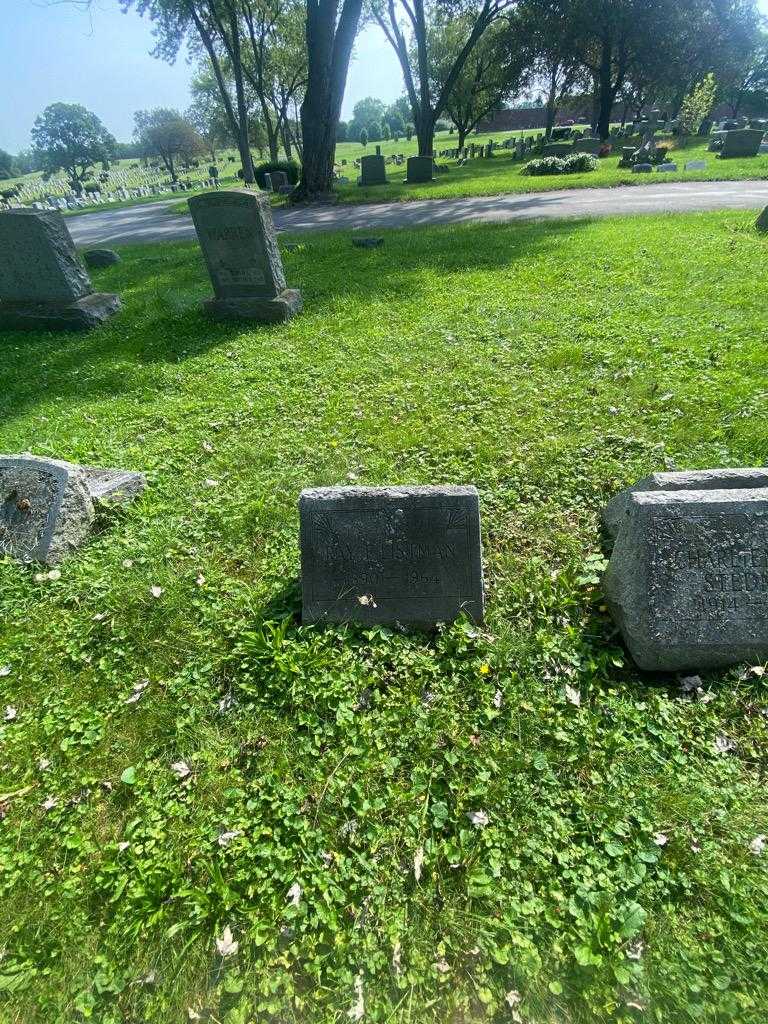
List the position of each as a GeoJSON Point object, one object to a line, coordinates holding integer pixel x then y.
{"type": "Point", "coordinates": [59, 51]}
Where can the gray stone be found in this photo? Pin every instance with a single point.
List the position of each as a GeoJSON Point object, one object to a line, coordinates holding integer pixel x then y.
{"type": "Point", "coordinates": [367, 243]}
{"type": "Point", "coordinates": [419, 169]}
{"type": "Point", "coordinates": [47, 505]}
{"type": "Point", "coordinates": [43, 283]}
{"type": "Point", "coordinates": [557, 149]}
{"type": "Point", "coordinates": [588, 145]}
{"type": "Point", "coordinates": [267, 182]}
{"type": "Point", "coordinates": [279, 180]}
{"type": "Point", "coordinates": [696, 165]}
{"type": "Point", "coordinates": [393, 554]}
{"type": "Point", "coordinates": [237, 236]}
{"type": "Point", "coordinates": [762, 221]}
{"type": "Point", "coordinates": [617, 510]}
{"type": "Point", "coordinates": [642, 168]}
{"type": "Point", "coordinates": [687, 583]}
{"type": "Point", "coordinates": [742, 142]}
{"type": "Point", "coordinates": [666, 168]}
{"type": "Point", "coordinates": [373, 170]}
{"type": "Point", "coordinates": [95, 258]}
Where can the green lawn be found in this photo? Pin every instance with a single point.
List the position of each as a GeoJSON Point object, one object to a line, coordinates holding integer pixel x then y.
{"type": "Point", "coordinates": [549, 364]}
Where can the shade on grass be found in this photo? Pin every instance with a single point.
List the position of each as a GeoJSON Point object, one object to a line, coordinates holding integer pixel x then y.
{"type": "Point", "coordinates": [433, 823]}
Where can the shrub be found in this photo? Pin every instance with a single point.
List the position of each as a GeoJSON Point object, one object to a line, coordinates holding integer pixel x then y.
{"type": "Point", "coordinates": [290, 167]}
{"type": "Point", "coordinates": [576, 163]}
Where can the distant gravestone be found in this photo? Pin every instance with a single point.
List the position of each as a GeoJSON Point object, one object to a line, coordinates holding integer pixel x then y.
{"type": "Point", "coordinates": [687, 583]}
{"type": "Point", "coordinates": [279, 180]}
{"type": "Point", "coordinates": [696, 165]}
{"type": "Point", "coordinates": [741, 142]}
{"type": "Point", "coordinates": [373, 170]}
{"type": "Point", "coordinates": [47, 505]}
{"type": "Point", "coordinates": [557, 149]}
{"type": "Point", "coordinates": [397, 554]}
{"type": "Point", "coordinates": [267, 181]}
{"type": "Point", "coordinates": [588, 145]}
{"type": "Point", "coordinates": [762, 221]}
{"type": "Point", "coordinates": [666, 168]}
{"type": "Point", "coordinates": [43, 284]}
{"type": "Point", "coordinates": [419, 169]}
{"type": "Point", "coordinates": [237, 236]}
{"type": "Point", "coordinates": [642, 168]}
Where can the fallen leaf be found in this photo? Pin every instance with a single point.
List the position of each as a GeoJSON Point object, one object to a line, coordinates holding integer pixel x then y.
{"type": "Point", "coordinates": [155, 591]}
{"type": "Point", "coordinates": [129, 776]}
{"type": "Point", "coordinates": [478, 818]}
{"type": "Point", "coordinates": [573, 695]}
{"type": "Point", "coordinates": [294, 894]}
{"type": "Point", "coordinates": [723, 745]}
{"type": "Point", "coordinates": [227, 945]}
{"type": "Point", "coordinates": [660, 838]}
{"type": "Point", "coordinates": [226, 837]}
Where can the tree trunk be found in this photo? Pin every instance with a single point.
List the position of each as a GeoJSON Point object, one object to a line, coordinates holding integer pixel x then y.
{"type": "Point", "coordinates": [286, 136]}
{"type": "Point", "coordinates": [274, 154]}
{"type": "Point", "coordinates": [243, 142]}
{"type": "Point", "coordinates": [329, 48]}
{"type": "Point", "coordinates": [604, 94]}
{"type": "Point", "coordinates": [462, 136]}
{"type": "Point", "coordinates": [425, 135]}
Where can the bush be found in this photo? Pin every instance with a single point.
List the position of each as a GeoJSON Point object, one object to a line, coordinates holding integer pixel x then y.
{"type": "Point", "coordinates": [290, 167]}
{"type": "Point", "coordinates": [576, 163]}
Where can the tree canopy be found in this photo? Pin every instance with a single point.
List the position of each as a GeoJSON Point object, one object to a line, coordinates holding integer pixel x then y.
{"type": "Point", "coordinates": [68, 137]}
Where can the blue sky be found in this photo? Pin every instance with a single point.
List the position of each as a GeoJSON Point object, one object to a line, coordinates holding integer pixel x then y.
{"type": "Point", "coordinates": [61, 51]}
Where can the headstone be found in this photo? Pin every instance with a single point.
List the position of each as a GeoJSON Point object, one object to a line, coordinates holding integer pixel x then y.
{"type": "Point", "coordinates": [373, 170]}
{"type": "Point", "coordinates": [642, 168]}
{"type": "Point", "coordinates": [588, 145]}
{"type": "Point", "coordinates": [666, 168]}
{"type": "Point", "coordinates": [687, 583]}
{"type": "Point", "coordinates": [100, 257]}
{"type": "Point", "coordinates": [367, 243]}
{"type": "Point", "coordinates": [419, 169]}
{"type": "Point", "coordinates": [392, 554]}
{"type": "Point", "coordinates": [557, 149]}
{"type": "Point", "coordinates": [762, 221]}
{"type": "Point", "coordinates": [742, 142]}
{"type": "Point", "coordinates": [267, 181]}
{"type": "Point", "coordinates": [237, 236]}
{"type": "Point", "coordinates": [696, 165]}
{"type": "Point", "coordinates": [279, 180]}
{"type": "Point", "coordinates": [47, 505]}
{"type": "Point", "coordinates": [43, 284]}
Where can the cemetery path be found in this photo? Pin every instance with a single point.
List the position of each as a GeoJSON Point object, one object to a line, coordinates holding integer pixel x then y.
{"type": "Point", "coordinates": [151, 223]}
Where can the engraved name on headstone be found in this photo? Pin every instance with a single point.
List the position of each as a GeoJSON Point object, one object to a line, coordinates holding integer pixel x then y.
{"type": "Point", "coordinates": [688, 578]}
{"type": "Point", "coordinates": [237, 236]}
{"type": "Point", "coordinates": [43, 283]}
{"type": "Point", "coordinates": [394, 554]}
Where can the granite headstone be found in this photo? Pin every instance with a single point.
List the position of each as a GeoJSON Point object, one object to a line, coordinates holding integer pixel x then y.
{"type": "Point", "coordinates": [419, 169]}
{"type": "Point", "coordinates": [43, 283]}
{"type": "Point", "coordinates": [238, 240]}
{"type": "Point", "coordinates": [47, 506]}
{"type": "Point", "coordinates": [373, 170]}
{"type": "Point", "coordinates": [396, 554]}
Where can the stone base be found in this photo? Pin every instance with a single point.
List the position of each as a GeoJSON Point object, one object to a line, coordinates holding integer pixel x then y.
{"type": "Point", "coordinates": [270, 311]}
{"type": "Point", "coordinates": [82, 315]}
{"type": "Point", "coordinates": [762, 221]}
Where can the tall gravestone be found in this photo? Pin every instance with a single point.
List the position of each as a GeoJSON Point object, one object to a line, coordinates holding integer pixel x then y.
{"type": "Point", "coordinates": [373, 170]}
{"type": "Point", "coordinates": [43, 283]}
{"type": "Point", "coordinates": [419, 169]}
{"type": "Point", "coordinates": [687, 582]}
{"type": "Point", "coordinates": [741, 142]}
{"type": "Point", "coordinates": [237, 236]}
{"type": "Point", "coordinates": [47, 506]}
{"type": "Point", "coordinates": [393, 554]}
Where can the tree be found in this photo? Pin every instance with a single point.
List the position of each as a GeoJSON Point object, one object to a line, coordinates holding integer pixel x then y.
{"type": "Point", "coordinates": [493, 70]}
{"type": "Point", "coordinates": [331, 27]}
{"type": "Point", "coordinates": [363, 137]}
{"type": "Point", "coordinates": [697, 105]}
{"type": "Point", "coordinates": [165, 133]}
{"type": "Point", "coordinates": [341, 131]}
{"type": "Point", "coordinates": [546, 32]}
{"type": "Point", "coordinates": [396, 122]}
{"type": "Point", "coordinates": [216, 26]}
{"type": "Point", "coordinates": [747, 82]}
{"type": "Point", "coordinates": [385, 132]}
{"type": "Point", "coordinates": [68, 137]}
{"type": "Point", "coordinates": [7, 165]}
{"type": "Point", "coordinates": [207, 114]}
{"type": "Point", "coordinates": [414, 54]}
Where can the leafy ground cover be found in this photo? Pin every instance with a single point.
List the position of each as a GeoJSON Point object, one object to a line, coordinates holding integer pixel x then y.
{"type": "Point", "coordinates": [212, 812]}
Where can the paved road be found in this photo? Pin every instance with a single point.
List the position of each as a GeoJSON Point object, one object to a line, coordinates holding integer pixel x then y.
{"type": "Point", "coordinates": [151, 223]}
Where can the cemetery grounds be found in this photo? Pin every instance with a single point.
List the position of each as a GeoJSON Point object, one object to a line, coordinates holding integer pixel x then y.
{"type": "Point", "coordinates": [213, 813]}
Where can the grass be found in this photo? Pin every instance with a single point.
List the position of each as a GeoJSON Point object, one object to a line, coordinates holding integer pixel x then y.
{"type": "Point", "coordinates": [549, 364]}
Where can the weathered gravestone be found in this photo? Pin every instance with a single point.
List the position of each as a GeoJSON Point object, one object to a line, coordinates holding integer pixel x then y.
{"type": "Point", "coordinates": [419, 169]}
{"type": "Point", "coordinates": [237, 236]}
{"type": "Point", "coordinates": [588, 145]}
{"type": "Point", "coordinates": [557, 149]}
{"type": "Point", "coordinates": [279, 180]}
{"type": "Point", "coordinates": [47, 506]}
{"type": "Point", "coordinates": [391, 554]}
{"type": "Point", "coordinates": [762, 221]}
{"type": "Point", "coordinates": [695, 165]}
{"type": "Point", "coordinates": [373, 170]}
{"type": "Point", "coordinates": [43, 283]}
{"type": "Point", "coordinates": [741, 142]}
{"type": "Point", "coordinates": [687, 582]}
{"type": "Point", "coordinates": [96, 258]}
{"type": "Point", "coordinates": [642, 168]}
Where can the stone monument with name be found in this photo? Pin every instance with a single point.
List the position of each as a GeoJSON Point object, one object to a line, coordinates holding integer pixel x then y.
{"type": "Point", "coordinates": [237, 236]}
{"type": "Point", "coordinates": [43, 283]}
{"type": "Point", "coordinates": [47, 506]}
{"type": "Point", "coordinates": [687, 582]}
{"type": "Point", "coordinates": [373, 170]}
{"type": "Point", "coordinates": [409, 555]}
{"type": "Point", "coordinates": [741, 142]}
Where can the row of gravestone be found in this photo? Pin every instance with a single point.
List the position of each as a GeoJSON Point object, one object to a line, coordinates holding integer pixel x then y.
{"type": "Point", "coordinates": [44, 285]}
{"type": "Point", "coordinates": [687, 581]}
